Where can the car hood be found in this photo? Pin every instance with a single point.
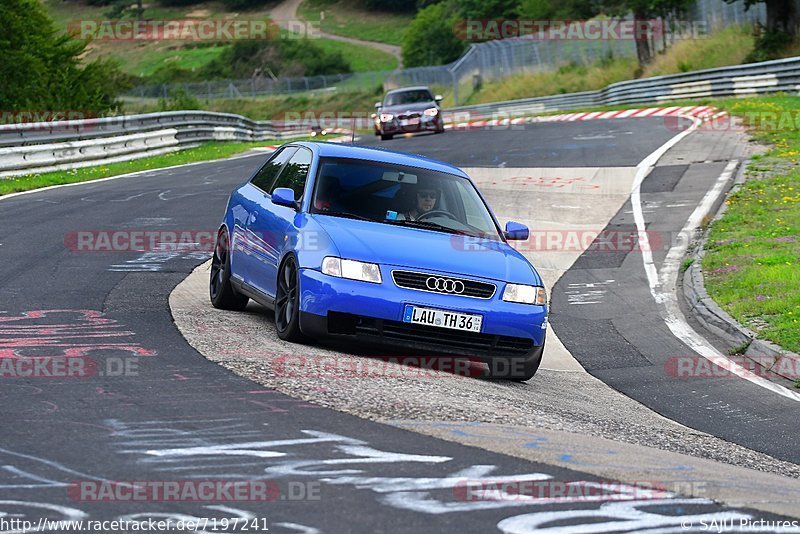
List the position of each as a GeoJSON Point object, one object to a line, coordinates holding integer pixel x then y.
{"type": "Point", "coordinates": [402, 108]}
{"type": "Point", "coordinates": [414, 248]}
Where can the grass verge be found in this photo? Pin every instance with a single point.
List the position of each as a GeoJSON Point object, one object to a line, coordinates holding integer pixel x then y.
{"type": "Point", "coordinates": [342, 18]}
{"type": "Point", "coordinates": [205, 152]}
{"type": "Point", "coordinates": [752, 264]}
{"type": "Point", "coordinates": [361, 58]}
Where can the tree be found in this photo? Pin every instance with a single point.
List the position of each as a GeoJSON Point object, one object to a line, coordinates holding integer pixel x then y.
{"type": "Point", "coordinates": [782, 15]}
{"type": "Point", "coordinates": [42, 69]}
{"type": "Point", "coordinates": [430, 38]}
{"type": "Point", "coordinates": [487, 9]}
{"type": "Point", "coordinates": [644, 12]}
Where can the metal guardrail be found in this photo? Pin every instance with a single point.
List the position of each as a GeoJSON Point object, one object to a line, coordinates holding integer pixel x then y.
{"type": "Point", "coordinates": [767, 77]}
{"type": "Point", "coordinates": [39, 147]}
{"type": "Point", "coordinates": [49, 146]}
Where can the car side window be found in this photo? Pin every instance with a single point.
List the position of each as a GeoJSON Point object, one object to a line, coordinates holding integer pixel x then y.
{"type": "Point", "coordinates": [265, 177]}
{"type": "Point", "coordinates": [295, 172]}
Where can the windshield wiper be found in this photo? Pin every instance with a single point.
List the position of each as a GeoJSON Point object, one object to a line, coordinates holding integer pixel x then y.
{"type": "Point", "coordinates": [345, 214]}
{"type": "Point", "coordinates": [427, 224]}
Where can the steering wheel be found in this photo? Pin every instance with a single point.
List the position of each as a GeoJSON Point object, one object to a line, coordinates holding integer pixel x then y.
{"type": "Point", "coordinates": [433, 213]}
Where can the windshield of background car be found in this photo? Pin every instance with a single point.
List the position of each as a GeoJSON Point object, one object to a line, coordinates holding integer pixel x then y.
{"type": "Point", "coordinates": [408, 97]}
{"type": "Point", "coordinates": [401, 195]}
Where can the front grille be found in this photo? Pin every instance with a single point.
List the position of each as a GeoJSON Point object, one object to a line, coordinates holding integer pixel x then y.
{"type": "Point", "coordinates": [460, 341]}
{"type": "Point", "coordinates": [448, 285]}
{"type": "Point", "coordinates": [406, 116]}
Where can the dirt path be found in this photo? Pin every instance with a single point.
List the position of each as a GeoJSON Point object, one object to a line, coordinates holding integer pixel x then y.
{"type": "Point", "coordinates": [287, 10]}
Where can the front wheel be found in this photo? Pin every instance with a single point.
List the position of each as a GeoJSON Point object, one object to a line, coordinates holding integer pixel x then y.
{"type": "Point", "coordinates": [386, 137]}
{"type": "Point", "coordinates": [518, 369]}
{"type": "Point", "coordinates": [287, 302]}
{"type": "Point", "coordinates": [223, 295]}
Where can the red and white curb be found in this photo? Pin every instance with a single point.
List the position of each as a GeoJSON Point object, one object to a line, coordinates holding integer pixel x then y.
{"type": "Point", "coordinates": [702, 112]}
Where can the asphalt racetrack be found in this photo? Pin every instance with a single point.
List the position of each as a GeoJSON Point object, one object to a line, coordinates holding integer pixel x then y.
{"type": "Point", "coordinates": [182, 392]}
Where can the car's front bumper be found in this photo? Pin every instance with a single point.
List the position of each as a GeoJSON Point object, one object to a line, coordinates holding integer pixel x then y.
{"type": "Point", "coordinates": [426, 124]}
{"type": "Point", "coordinates": [339, 307]}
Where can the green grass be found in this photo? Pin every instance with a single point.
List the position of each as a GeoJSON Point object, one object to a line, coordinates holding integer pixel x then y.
{"type": "Point", "coordinates": [342, 18]}
{"type": "Point", "coordinates": [752, 264]}
{"type": "Point", "coordinates": [146, 61]}
{"type": "Point", "coordinates": [204, 152]}
{"type": "Point", "coordinates": [361, 58]}
{"type": "Point", "coordinates": [727, 47]}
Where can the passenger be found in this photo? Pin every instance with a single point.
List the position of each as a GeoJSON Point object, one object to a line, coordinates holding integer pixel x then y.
{"type": "Point", "coordinates": [328, 193]}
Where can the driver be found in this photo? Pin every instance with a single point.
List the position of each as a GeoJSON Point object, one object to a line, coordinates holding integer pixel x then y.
{"type": "Point", "coordinates": [424, 201]}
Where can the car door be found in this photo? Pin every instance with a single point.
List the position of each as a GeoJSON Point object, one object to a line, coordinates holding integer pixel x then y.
{"type": "Point", "coordinates": [273, 222]}
{"type": "Point", "coordinates": [246, 247]}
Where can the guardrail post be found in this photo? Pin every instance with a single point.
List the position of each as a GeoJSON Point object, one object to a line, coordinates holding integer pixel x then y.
{"type": "Point", "coordinates": [455, 88]}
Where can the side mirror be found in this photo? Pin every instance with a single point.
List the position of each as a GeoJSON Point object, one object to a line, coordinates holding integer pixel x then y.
{"type": "Point", "coordinates": [438, 98]}
{"type": "Point", "coordinates": [283, 196]}
{"type": "Point", "coordinates": [373, 116]}
{"type": "Point", "coordinates": [378, 105]}
{"type": "Point", "coordinates": [516, 231]}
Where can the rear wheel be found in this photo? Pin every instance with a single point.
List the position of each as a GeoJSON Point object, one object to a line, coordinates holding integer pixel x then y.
{"type": "Point", "coordinates": [222, 293]}
{"type": "Point", "coordinates": [287, 302]}
{"type": "Point", "coordinates": [518, 369]}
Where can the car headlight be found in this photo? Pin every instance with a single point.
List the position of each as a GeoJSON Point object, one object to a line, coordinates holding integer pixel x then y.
{"type": "Point", "coordinates": [352, 269]}
{"type": "Point", "coordinates": [525, 294]}
{"type": "Point", "coordinates": [431, 112]}
{"type": "Point", "coordinates": [386, 117]}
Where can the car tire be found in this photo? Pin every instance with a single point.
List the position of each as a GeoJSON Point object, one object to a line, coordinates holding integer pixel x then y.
{"type": "Point", "coordinates": [223, 295]}
{"type": "Point", "coordinates": [386, 137]}
{"type": "Point", "coordinates": [517, 369]}
{"type": "Point", "coordinates": [287, 302]}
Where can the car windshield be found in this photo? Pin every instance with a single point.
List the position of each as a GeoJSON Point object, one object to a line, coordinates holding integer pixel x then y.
{"type": "Point", "coordinates": [408, 97]}
{"type": "Point", "coordinates": [401, 195]}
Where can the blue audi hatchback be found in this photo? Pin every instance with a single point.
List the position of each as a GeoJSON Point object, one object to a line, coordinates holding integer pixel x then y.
{"type": "Point", "coordinates": [380, 247]}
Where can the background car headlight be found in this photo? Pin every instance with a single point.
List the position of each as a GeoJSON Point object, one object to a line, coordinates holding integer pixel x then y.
{"type": "Point", "coordinates": [525, 294]}
{"type": "Point", "coordinates": [431, 112]}
{"type": "Point", "coordinates": [386, 117]}
{"type": "Point", "coordinates": [352, 269]}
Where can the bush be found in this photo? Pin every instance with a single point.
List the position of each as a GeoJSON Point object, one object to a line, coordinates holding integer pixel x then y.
{"type": "Point", "coordinates": [281, 57]}
{"type": "Point", "coordinates": [430, 38]}
{"type": "Point", "coordinates": [769, 46]}
{"type": "Point", "coordinates": [178, 100]}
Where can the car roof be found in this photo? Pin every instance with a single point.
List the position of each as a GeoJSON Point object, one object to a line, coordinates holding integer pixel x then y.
{"type": "Point", "coordinates": [413, 88]}
{"type": "Point", "coordinates": [380, 155]}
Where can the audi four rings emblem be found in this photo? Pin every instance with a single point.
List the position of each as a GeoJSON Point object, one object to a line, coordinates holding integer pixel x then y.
{"type": "Point", "coordinates": [445, 285]}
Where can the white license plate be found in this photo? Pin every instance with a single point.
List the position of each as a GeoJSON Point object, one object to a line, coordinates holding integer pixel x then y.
{"type": "Point", "coordinates": [442, 318]}
{"type": "Point", "coordinates": [409, 122]}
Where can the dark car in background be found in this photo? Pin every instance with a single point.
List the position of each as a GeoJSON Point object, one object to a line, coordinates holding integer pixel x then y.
{"type": "Point", "coordinates": [408, 110]}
